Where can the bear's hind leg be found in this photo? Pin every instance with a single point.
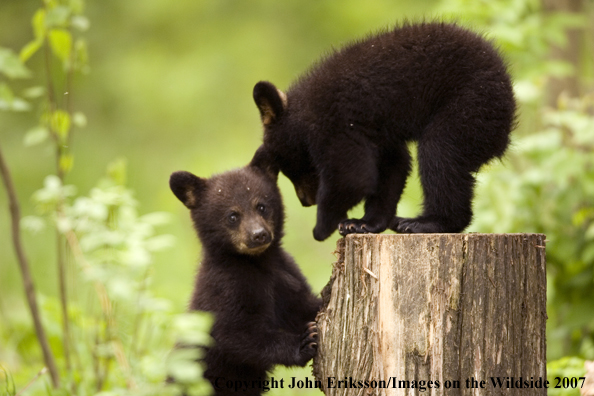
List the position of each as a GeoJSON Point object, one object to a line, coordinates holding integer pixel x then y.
{"type": "Point", "coordinates": [448, 190]}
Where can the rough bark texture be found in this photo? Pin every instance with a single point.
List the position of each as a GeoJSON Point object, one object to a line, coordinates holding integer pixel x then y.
{"type": "Point", "coordinates": [434, 307]}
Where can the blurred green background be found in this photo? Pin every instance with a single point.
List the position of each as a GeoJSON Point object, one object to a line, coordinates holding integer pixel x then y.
{"type": "Point", "coordinates": [168, 87]}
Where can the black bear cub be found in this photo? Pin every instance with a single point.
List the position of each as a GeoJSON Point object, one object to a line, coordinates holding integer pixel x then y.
{"type": "Point", "coordinates": [340, 132]}
{"type": "Point", "coordinates": [263, 307]}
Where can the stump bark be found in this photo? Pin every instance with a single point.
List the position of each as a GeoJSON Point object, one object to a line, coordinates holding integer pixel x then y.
{"type": "Point", "coordinates": [454, 309]}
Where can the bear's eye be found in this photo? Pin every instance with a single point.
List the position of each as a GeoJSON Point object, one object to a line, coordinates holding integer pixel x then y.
{"type": "Point", "coordinates": [233, 217]}
{"type": "Point", "coordinates": [261, 208]}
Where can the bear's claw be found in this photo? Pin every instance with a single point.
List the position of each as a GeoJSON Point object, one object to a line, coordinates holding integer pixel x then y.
{"type": "Point", "coordinates": [359, 226]}
{"type": "Point", "coordinates": [309, 342]}
{"type": "Point", "coordinates": [404, 225]}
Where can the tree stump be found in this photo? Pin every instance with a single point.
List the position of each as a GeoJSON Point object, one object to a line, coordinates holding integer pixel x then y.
{"type": "Point", "coordinates": [435, 314]}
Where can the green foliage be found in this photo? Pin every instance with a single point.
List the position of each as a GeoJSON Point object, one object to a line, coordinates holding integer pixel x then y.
{"type": "Point", "coordinates": [568, 367]}
{"type": "Point", "coordinates": [7, 387]}
{"type": "Point", "coordinates": [56, 24]}
{"type": "Point", "coordinates": [110, 334]}
{"type": "Point", "coordinates": [56, 28]}
{"type": "Point", "coordinates": [120, 332]}
{"type": "Point", "coordinates": [11, 65]}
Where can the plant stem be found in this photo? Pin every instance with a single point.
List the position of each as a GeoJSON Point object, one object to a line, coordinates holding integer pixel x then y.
{"type": "Point", "coordinates": [60, 243]}
{"type": "Point", "coordinates": [15, 215]}
{"type": "Point", "coordinates": [63, 298]}
{"type": "Point", "coordinates": [39, 374]}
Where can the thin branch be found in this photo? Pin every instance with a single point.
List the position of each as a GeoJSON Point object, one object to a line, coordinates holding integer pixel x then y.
{"type": "Point", "coordinates": [15, 215]}
{"type": "Point", "coordinates": [60, 245]}
{"type": "Point", "coordinates": [63, 298]}
{"type": "Point", "coordinates": [39, 374]}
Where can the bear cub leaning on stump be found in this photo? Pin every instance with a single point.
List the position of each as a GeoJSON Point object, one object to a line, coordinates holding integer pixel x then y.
{"type": "Point", "coordinates": [263, 307]}
{"type": "Point", "coordinates": [340, 132]}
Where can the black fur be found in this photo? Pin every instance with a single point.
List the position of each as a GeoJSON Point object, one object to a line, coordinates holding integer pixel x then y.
{"type": "Point", "coordinates": [341, 134]}
{"type": "Point", "coordinates": [262, 304]}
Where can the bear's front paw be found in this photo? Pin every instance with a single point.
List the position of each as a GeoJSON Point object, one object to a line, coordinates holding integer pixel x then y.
{"type": "Point", "coordinates": [309, 344]}
{"type": "Point", "coordinates": [355, 226]}
{"type": "Point", "coordinates": [320, 233]}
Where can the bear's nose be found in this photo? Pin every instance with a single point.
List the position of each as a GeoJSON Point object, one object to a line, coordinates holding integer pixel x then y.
{"type": "Point", "coordinates": [302, 197]}
{"type": "Point", "coordinates": [260, 236]}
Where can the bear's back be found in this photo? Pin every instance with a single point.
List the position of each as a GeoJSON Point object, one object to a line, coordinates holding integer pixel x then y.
{"type": "Point", "coordinates": [400, 78]}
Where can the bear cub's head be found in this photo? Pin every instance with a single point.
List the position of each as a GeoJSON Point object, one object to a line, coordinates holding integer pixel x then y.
{"type": "Point", "coordinates": [282, 146]}
{"type": "Point", "coordinates": [238, 212]}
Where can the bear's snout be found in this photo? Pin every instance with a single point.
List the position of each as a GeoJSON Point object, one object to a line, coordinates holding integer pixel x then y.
{"type": "Point", "coordinates": [260, 236]}
{"type": "Point", "coordinates": [305, 198]}
{"type": "Point", "coordinates": [254, 237]}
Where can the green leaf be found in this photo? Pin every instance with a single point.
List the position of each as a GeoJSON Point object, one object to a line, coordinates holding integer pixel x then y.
{"type": "Point", "coordinates": [66, 162]}
{"type": "Point", "coordinates": [53, 191]}
{"type": "Point", "coordinates": [6, 93]}
{"type": "Point", "coordinates": [81, 57]}
{"type": "Point", "coordinates": [193, 328]}
{"type": "Point", "coordinates": [9, 102]}
{"type": "Point", "coordinates": [33, 224]}
{"type": "Point", "coordinates": [10, 388]}
{"type": "Point", "coordinates": [526, 91]}
{"type": "Point", "coordinates": [11, 65]}
{"type": "Point", "coordinates": [581, 216]}
{"type": "Point", "coordinates": [29, 49]}
{"type": "Point", "coordinates": [183, 366]}
{"type": "Point", "coordinates": [120, 288]}
{"type": "Point", "coordinates": [116, 171]}
{"type": "Point", "coordinates": [34, 92]}
{"type": "Point", "coordinates": [60, 124]}
{"type": "Point", "coordinates": [61, 44]}
{"type": "Point", "coordinates": [19, 104]}
{"type": "Point", "coordinates": [38, 22]}
{"type": "Point", "coordinates": [57, 16]}
{"type": "Point", "coordinates": [35, 136]}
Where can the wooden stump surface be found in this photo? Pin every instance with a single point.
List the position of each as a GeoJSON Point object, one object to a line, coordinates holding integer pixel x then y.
{"type": "Point", "coordinates": [434, 307]}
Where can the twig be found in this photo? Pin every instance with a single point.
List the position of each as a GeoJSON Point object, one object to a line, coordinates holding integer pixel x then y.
{"type": "Point", "coordinates": [63, 297]}
{"type": "Point", "coordinates": [15, 215]}
{"type": "Point", "coordinates": [39, 374]}
{"type": "Point", "coordinates": [370, 273]}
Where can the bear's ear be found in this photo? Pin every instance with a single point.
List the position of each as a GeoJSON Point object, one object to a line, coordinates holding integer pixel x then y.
{"type": "Point", "coordinates": [187, 187]}
{"type": "Point", "coordinates": [270, 100]}
{"type": "Point", "coordinates": [263, 160]}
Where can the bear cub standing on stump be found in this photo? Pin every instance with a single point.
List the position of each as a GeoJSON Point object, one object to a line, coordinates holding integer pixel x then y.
{"type": "Point", "coordinates": [340, 133]}
{"type": "Point", "coordinates": [263, 307]}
